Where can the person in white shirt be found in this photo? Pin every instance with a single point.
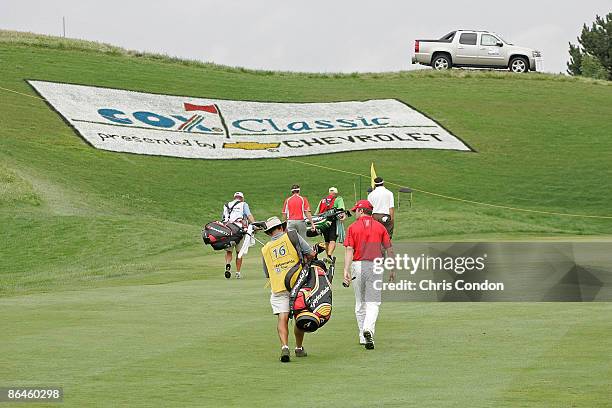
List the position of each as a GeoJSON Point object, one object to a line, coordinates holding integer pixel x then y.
{"type": "Point", "coordinates": [236, 211]}
{"type": "Point", "coordinates": [384, 205]}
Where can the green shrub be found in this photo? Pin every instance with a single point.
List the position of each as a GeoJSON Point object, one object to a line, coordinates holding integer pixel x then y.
{"type": "Point", "coordinates": [592, 68]}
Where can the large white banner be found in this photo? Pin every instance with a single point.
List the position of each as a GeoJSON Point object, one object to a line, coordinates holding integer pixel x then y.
{"type": "Point", "coordinates": [179, 126]}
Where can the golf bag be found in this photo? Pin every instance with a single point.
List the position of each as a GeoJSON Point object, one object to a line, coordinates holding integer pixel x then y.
{"type": "Point", "coordinates": [221, 235]}
{"type": "Point", "coordinates": [310, 300]}
{"type": "Point", "coordinates": [323, 221]}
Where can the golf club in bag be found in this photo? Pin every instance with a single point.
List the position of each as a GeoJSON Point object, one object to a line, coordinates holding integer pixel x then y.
{"type": "Point", "coordinates": [324, 220]}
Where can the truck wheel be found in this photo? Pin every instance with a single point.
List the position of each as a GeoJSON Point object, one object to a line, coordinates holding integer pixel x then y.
{"type": "Point", "coordinates": [441, 62]}
{"type": "Point", "coordinates": [519, 65]}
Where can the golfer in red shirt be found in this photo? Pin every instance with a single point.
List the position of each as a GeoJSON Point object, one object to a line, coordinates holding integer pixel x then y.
{"type": "Point", "coordinates": [296, 209]}
{"type": "Point", "coordinates": [365, 240]}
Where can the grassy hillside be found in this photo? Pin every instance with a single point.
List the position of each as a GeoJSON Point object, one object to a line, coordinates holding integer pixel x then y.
{"type": "Point", "coordinates": [73, 213]}
{"type": "Point", "coordinates": [136, 312]}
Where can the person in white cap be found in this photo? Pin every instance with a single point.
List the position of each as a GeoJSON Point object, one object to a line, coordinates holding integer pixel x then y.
{"type": "Point", "coordinates": [236, 211]}
{"type": "Point", "coordinates": [283, 259]}
{"type": "Point", "coordinates": [335, 232]}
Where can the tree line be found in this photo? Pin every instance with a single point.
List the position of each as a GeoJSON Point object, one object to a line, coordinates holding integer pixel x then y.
{"type": "Point", "coordinates": [592, 56]}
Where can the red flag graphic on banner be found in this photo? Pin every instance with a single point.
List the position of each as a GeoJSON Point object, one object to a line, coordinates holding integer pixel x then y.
{"type": "Point", "coordinates": [189, 107]}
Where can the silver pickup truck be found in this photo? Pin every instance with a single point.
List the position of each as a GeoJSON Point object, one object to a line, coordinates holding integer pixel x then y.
{"type": "Point", "coordinates": [478, 49]}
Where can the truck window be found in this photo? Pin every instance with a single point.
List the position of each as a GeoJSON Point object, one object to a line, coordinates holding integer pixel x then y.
{"type": "Point", "coordinates": [448, 37]}
{"type": "Point", "coordinates": [488, 40]}
{"type": "Point", "coordinates": [468, 39]}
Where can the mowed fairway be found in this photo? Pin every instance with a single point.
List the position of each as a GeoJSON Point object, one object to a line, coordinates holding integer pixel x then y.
{"type": "Point", "coordinates": [212, 343]}
{"type": "Point", "coordinates": [106, 290]}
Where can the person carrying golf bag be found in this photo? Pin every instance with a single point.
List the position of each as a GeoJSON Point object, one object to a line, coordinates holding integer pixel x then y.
{"type": "Point", "coordinates": [228, 234]}
{"type": "Point", "coordinates": [284, 257]}
{"type": "Point", "coordinates": [334, 230]}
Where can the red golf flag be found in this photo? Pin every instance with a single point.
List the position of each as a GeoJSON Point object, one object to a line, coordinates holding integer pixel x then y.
{"type": "Point", "coordinates": [189, 107]}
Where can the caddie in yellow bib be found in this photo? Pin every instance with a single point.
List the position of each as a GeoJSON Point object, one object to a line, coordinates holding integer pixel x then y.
{"type": "Point", "coordinates": [283, 258]}
{"type": "Point", "coordinates": [283, 262]}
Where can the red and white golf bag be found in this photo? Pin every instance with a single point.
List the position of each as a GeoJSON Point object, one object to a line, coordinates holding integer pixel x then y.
{"type": "Point", "coordinates": [310, 300]}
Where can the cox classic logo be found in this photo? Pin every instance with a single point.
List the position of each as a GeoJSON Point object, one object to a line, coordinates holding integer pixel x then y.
{"type": "Point", "coordinates": [208, 119]}
{"type": "Point", "coordinates": [203, 128]}
{"type": "Point", "coordinates": [194, 123]}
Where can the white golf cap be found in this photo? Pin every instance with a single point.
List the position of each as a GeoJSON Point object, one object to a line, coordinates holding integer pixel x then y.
{"type": "Point", "coordinates": [333, 190]}
{"type": "Point", "coordinates": [238, 194]}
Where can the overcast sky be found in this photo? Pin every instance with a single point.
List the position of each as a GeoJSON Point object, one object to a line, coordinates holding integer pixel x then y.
{"type": "Point", "coordinates": [313, 35]}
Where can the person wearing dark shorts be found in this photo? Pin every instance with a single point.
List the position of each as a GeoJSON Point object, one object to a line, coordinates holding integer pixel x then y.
{"type": "Point", "coordinates": [382, 200]}
{"type": "Point", "coordinates": [331, 234]}
{"type": "Point", "coordinates": [335, 229]}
